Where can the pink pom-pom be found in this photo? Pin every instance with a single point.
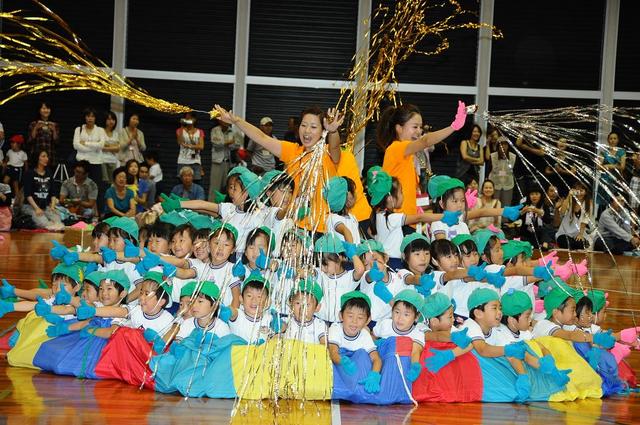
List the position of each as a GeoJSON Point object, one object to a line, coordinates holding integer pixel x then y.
{"type": "Point", "coordinates": [620, 351]}
{"type": "Point", "coordinates": [563, 271]}
{"type": "Point", "coordinates": [539, 306]}
{"type": "Point", "coordinates": [472, 198]}
{"type": "Point", "coordinates": [629, 335]}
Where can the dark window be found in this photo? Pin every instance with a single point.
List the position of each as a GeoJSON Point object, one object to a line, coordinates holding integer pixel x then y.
{"type": "Point", "coordinates": [628, 54]}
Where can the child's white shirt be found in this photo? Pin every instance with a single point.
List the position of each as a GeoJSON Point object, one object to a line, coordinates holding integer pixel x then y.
{"type": "Point", "coordinates": [450, 232]}
{"type": "Point", "coordinates": [239, 219]}
{"type": "Point", "coordinates": [379, 309]}
{"type": "Point", "coordinates": [459, 291]}
{"type": "Point", "coordinates": [386, 329]}
{"type": "Point", "coordinates": [251, 329]}
{"type": "Point", "coordinates": [334, 287]}
{"type": "Point", "coordinates": [476, 334]}
{"type": "Point", "coordinates": [593, 329]}
{"type": "Point", "coordinates": [177, 284]}
{"type": "Point", "coordinates": [155, 172]}
{"type": "Point", "coordinates": [137, 319]}
{"type": "Point", "coordinates": [310, 332]}
{"type": "Point", "coordinates": [545, 327]}
{"type": "Point", "coordinates": [389, 232]}
{"type": "Point", "coordinates": [504, 336]}
{"type": "Point", "coordinates": [218, 328]}
{"type": "Point", "coordinates": [222, 276]}
{"type": "Point", "coordinates": [16, 159]}
{"type": "Point", "coordinates": [349, 221]}
{"type": "Point", "coordinates": [362, 340]}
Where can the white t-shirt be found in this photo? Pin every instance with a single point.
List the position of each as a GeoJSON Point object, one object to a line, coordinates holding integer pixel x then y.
{"type": "Point", "coordinates": [89, 143]}
{"type": "Point", "coordinates": [350, 222]}
{"type": "Point", "coordinates": [389, 232]}
{"type": "Point", "coordinates": [476, 334]}
{"type": "Point", "coordinates": [310, 332]}
{"type": "Point", "coordinates": [16, 159]}
{"type": "Point", "coordinates": [593, 329]}
{"type": "Point", "coordinates": [504, 336]}
{"type": "Point", "coordinates": [242, 221]}
{"type": "Point", "coordinates": [188, 155]}
{"type": "Point", "coordinates": [386, 328]}
{"type": "Point", "coordinates": [137, 319]}
{"type": "Point", "coordinates": [362, 341]}
{"type": "Point", "coordinates": [251, 329]}
{"type": "Point", "coordinates": [218, 328]}
{"type": "Point", "coordinates": [222, 276]}
{"type": "Point", "coordinates": [450, 232]}
{"type": "Point", "coordinates": [155, 172]}
{"type": "Point", "coordinates": [177, 284]}
{"type": "Point", "coordinates": [379, 309]}
{"type": "Point", "coordinates": [459, 291]}
{"type": "Point", "coordinates": [110, 142]}
{"type": "Point", "coordinates": [334, 287]}
{"type": "Point", "coordinates": [545, 328]}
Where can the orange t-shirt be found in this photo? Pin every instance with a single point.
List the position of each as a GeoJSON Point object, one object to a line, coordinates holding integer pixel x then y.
{"type": "Point", "coordinates": [403, 168]}
{"type": "Point", "coordinates": [290, 155]}
{"type": "Point", "coordinates": [348, 167]}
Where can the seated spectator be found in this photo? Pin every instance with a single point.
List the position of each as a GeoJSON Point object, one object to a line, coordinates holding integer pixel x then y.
{"type": "Point", "coordinates": [40, 204]}
{"type": "Point", "coordinates": [139, 187]}
{"type": "Point", "coordinates": [614, 229]}
{"type": "Point", "coordinates": [155, 172]}
{"type": "Point", "coordinates": [120, 201]}
{"type": "Point", "coordinates": [145, 179]}
{"type": "Point", "coordinates": [486, 199]}
{"type": "Point", "coordinates": [79, 193]}
{"type": "Point", "coordinates": [572, 232]}
{"type": "Point", "coordinates": [14, 166]}
{"type": "Point", "coordinates": [261, 159]}
{"type": "Point", "coordinates": [188, 189]}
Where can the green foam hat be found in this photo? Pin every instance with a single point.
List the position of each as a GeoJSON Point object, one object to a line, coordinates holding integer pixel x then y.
{"type": "Point", "coordinates": [370, 245]}
{"type": "Point", "coordinates": [515, 302]}
{"type": "Point", "coordinates": [73, 271]}
{"type": "Point", "coordinates": [435, 305]}
{"type": "Point", "coordinates": [119, 276]}
{"type": "Point", "coordinates": [329, 243]}
{"type": "Point", "coordinates": [353, 295]}
{"type": "Point", "coordinates": [308, 286]}
{"type": "Point", "coordinates": [335, 193]}
{"type": "Point", "coordinates": [481, 296]}
{"type": "Point", "coordinates": [555, 298]}
{"type": "Point", "coordinates": [379, 184]}
{"type": "Point", "coordinates": [410, 296]}
{"type": "Point", "coordinates": [513, 248]}
{"type": "Point", "coordinates": [128, 225]}
{"type": "Point", "coordinates": [412, 237]}
{"type": "Point", "coordinates": [438, 185]}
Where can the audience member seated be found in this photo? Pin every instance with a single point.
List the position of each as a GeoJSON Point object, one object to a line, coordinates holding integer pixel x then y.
{"type": "Point", "coordinates": [79, 193]}
{"type": "Point", "coordinates": [119, 200]}
{"type": "Point", "coordinates": [614, 229]}
{"type": "Point", "coordinates": [40, 204]}
{"type": "Point", "coordinates": [188, 189]}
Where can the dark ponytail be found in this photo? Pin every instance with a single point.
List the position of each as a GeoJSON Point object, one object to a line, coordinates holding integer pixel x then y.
{"type": "Point", "coordinates": [392, 116]}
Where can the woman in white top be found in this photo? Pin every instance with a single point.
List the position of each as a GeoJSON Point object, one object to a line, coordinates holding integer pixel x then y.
{"type": "Point", "coordinates": [191, 142]}
{"type": "Point", "coordinates": [502, 162]}
{"type": "Point", "coordinates": [88, 141]}
{"type": "Point", "coordinates": [575, 218]}
{"type": "Point", "coordinates": [111, 148]}
{"type": "Point", "coordinates": [486, 199]}
{"type": "Point", "coordinates": [131, 140]}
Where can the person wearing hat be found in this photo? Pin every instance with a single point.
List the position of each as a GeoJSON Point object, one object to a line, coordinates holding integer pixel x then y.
{"type": "Point", "coordinates": [350, 335]}
{"type": "Point", "coordinates": [416, 255]}
{"type": "Point", "coordinates": [278, 187]}
{"type": "Point", "coordinates": [91, 286]}
{"type": "Point", "coordinates": [205, 296]}
{"type": "Point", "coordinates": [252, 321]}
{"type": "Point", "coordinates": [406, 307]}
{"type": "Point", "coordinates": [339, 192]}
{"type": "Point", "coordinates": [261, 159]}
{"type": "Point", "coordinates": [333, 278]}
{"type": "Point", "coordinates": [304, 301]}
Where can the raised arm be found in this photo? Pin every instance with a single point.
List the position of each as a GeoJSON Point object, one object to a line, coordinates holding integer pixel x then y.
{"type": "Point", "coordinates": [436, 137]}
{"type": "Point", "coordinates": [332, 125]}
{"type": "Point", "coordinates": [271, 144]}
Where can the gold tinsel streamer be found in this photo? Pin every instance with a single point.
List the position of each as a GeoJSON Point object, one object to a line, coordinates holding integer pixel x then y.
{"type": "Point", "coordinates": [47, 60]}
{"type": "Point", "coordinates": [397, 37]}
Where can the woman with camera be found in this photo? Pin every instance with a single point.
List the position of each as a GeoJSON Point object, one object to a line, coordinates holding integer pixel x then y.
{"type": "Point", "coordinates": [191, 142]}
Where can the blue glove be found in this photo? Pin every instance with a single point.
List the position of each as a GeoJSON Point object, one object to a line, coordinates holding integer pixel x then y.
{"type": "Point", "coordinates": [130, 250]}
{"type": "Point", "coordinates": [85, 311]}
{"type": "Point", "coordinates": [289, 272]}
{"type": "Point", "coordinates": [58, 329]}
{"type": "Point", "coordinates": [62, 296]}
{"type": "Point", "coordinates": [512, 213]}
{"type": "Point", "coordinates": [451, 218]}
{"type": "Point", "coordinates": [477, 272]}
{"type": "Point", "coordinates": [7, 290]}
{"type": "Point", "coordinates": [224, 313]}
{"type": "Point", "coordinates": [87, 332]}
{"type": "Point", "coordinates": [90, 268]}
{"type": "Point", "coordinates": [58, 251]}
{"type": "Point", "coordinates": [349, 249]}
{"type": "Point", "coordinates": [523, 388]}
{"type": "Point", "coordinates": [440, 359]}
{"type": "Point", "coordinates": [70, 258]}
{"type": "Point", "coordinates": [141, 269]}
{"type": "Point", "coordinates": [53, 318]}
{"type": "Point", "coordinates": [276, 322]}
{"type": "Point", "coordinates": [41, 307]}
{"type": "Point", "coordinates": [169, 269]}
{"type": "Point", "coordinates": [371, 382]}
{"type": "Point", "coordinates": [108, 255]}
{"type": "Point", "coordinates": [348, 366]}
{"type": "Point", "coordinates": [543, 272]}
{"type": "Point", "coordinates": [150, 260]}
{"type": "Point", "coordinates": [604, 339]}
{"type": "Point", "coordinates": [460, 338]}
{"type": "Point", "coordinates": [496, 279]}
{"type": "Point", "coordinates": [375, 274]}
{"type": "Point", "coordinates": [152, 336]}
{"type": "Point", "coordinates": [177, 349]}
{"type": "Point", "coordinates": [561, 377]}
{"type": "Point", "coordinates": [378, 342]}
{"type": "Point", "coordinates": [238, 269]}
{"type": "Point", "coordinates": [593, 357]}
{"type": "Point", "coordinates": [382, 292]}
{"type": "Point", "coordinates": [547, 365]}
{"type": "Point", "coordinates": [515, 350]}
{"type": "Point", "coordinates": [414, 372]}
{"type": "Point", "coordinates": [262, 261]}
{"type": "Point", "coordinates": [427, 283]}
{"type": "Point", "coordinates": [6, 307]}
{"type": "Point", "coordinates": [13, 339]}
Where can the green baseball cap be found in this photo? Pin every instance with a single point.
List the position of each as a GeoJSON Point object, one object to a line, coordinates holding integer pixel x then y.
{"type": "Point", "coordinates": [94, 278]}
{"type": "Point", "coordinates": [379, 184]}
{"type": "Point", "coordinates": [270, 236]}
{"type": "Point", "coordinates": [268, 177]}
{"type": "Point", "coordinates": [249, 179]}
{"type": "Point", "coordinates": [188, 289]}
{"type": "Point", "coordinates": [335, 193]}
{"type": "Point", "coordinates": [481, 237]}
{"type": "Point", "coordinates": [158, 278]}
{"type": "Point", "coordinates": [515, 302]}
{"type": "Point", "coordinates": [220, 225]}
{"type": "Point", "coordinates": [201, 221]}
{"type": "Point", "coordinates": [555, 298]}
{"type": "Point", "coordinates": [435, 305]}
{"type": "Point", "coordinates": [481, 296]}
{"type": "Point", "coordinates": [308, 286]}
{"type": "Point", "coordinates": [438, 185]}
{"type": "Point", "coordinates": [329, 243]}
{"type": "Point", "coordinates": [545, 287]}
{"type": "Point", "coordinates": [462, 238]}
{"type": "Point", "coordinates": [598, 298]}
{"type": "Point", "coordinates": [352, 295]}
{"type": "Point", "coordinates": [73, 271]}
{"type": "Point", "coordinates": [210, 289]}
{"type": "Point", "coordinates": [409, 296]}
{"type": "Point", "coordinates": [256, 277]}
{"type": "Point", "coordinates": [110, 220]}
{"type": "Point", "coordinates": [513, 248]}
{"type": "Point", "coordinates": [370, 245]}
{"type": "Point", "coordinates": [128, 225]}
{"type": "Point", "coordinates": [119, 276]}
{"type": "Point", "coordinates": [412, 237]}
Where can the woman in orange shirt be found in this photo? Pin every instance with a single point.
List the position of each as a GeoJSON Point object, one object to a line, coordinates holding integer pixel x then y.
{"type": "Point", "coordinates": [399, 133]}
{"type": "Point", "coordinates": [298, 158]}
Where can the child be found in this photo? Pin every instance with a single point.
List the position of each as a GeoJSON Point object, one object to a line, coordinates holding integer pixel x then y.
{"type": "Point", "coordinates": [250, 321]}
{"type": "Point", "coordinates": [333, 278]}
{"type": "Point", "coordinates": [16, 164]}
{"type": "Point", "coordinates": [404, 317]}
{"type": "Point", "coordinates": [222, 243]}
{"type": "Point", "coordinates": [304, 302]}
{"type": "Point", "coordinates": [535, 227]}
{"type": "Point", "coordinates": [279, 187]}
{"type": "Point", "coordinates": [351, 334]}
{"type": "Point", "coordinates": [155, 171]}
{"type": "Point", "coordinates": [100, 236]}
{"type": "Point", "coordinates": [259, 247]}
{"type": "Point", "coordinates": [204, 312]}
{"type": "Point", "coordinates": [339, 194]}
{"type": "Point", "coordinates": [146, 181]}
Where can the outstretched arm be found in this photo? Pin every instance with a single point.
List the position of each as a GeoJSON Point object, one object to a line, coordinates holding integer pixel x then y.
{"type": "Point", "coordinates": [271, 144]}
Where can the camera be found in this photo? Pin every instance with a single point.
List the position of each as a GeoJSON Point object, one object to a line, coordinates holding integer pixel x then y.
{"type": "Point", "coordinates": [186, 122]}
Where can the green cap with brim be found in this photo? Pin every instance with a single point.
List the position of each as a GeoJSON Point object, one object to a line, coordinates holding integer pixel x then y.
{"type": "Point", "coordinates": [209, 289]}
{"type": "Point", "coordinates": [175, 218]}
{"type": "Point", "coordinates": [73, 272]}
{"type": "Point", "coordinates": [220, 225]}
{"type": "Point", "coordinates": [270, 236]}
{"type": "Point", "coordinates": [119, 276]}
{"type": "Point", "coordinates": [435, 305]}
{"type": "Point", "coordinates": [481, 296]}
{"type": "Point", "coordinates": [202, 221]}
{"type": "Point", "coordinates": [353, 295]}
{"type": "Point", "coordinates": [308, 286]}
{"type": "Point", "coordinates": [412, 237]}
{"type": "Point", "coordinates": [462, 238]}
{"type": "Point", "coordinates": [370, 245]}
{"type": "Point", "coordinates": [249, 179]}
{"type": "Point", "coordinates": [329, 243]}
{"type": "Point", "coordinates": [335, 193]}
{"type": "Point", "coordinates": [110, 220]}
{"type": "Point", "coordinates": [188, 289]}
{"type": "Point", "coordinates": [481, 237]}
{"type": "Point", "coordinates": [514, 248]}
{"type": "Point", "coordinates": [128, 225]}
{"type": "Point", "coordinates": [438, 185]}
{"type": "Point", "coordinates": [598, 298]}
{"type": "Point", "coordinates": [379, 184]}
{"type": "Point", "coordinates": [409, 296]}
{"type": "Point", "coordinates": [94, 278]}
{"type": "Point", "coordinates": [545, 287]}
{"type": "Point", "coordinates": [256, 277]}
{"type": "Point", "coordinates": [555, 298]}
{"type": "Point", "coordinates": [515, 302]}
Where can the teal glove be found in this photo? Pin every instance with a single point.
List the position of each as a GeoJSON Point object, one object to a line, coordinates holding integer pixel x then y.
{"type": "Point", "coordinates": [371, 382]}
{"type": "Point", "coordinates": [6, 307]}
{"type": "Point", "coordinates": [496, 279]}
{"type": "Point", "coordinates": [414, 372]}
{"type": "Point", "coordinates": [262, 261]}
{"type": "Point", "coordinates": [375, 274]}
{"type": "Point", "coordinates": [108, 255]}
{"type": "Point", "coordinates": [58, 329]}
{"type": "Point", "coordinates": [460, 338]}
{"type": "Point", "coordinates": [604, 339]}
{"type": "Point", "coordinates": [152, 336]}
{"type": "Point", "coordinates": [276, 322]}
{"type": "Point", "coordinates": [523, 388]}
{"type": "Point", "coordinates": [85, 311]}
{"type": "Point", "coordinates": [169, 269]}
{"type": "Point", "coordinates": [70, 258]}
{"type": "Point", "coordinates": [348, 366]}
{"type": "Point", "coordinates": [451, 218]}
{"type": "Point", "coordinates": [53, 318]}
{"type": "Point", "coordinates": [427, 283]}
{"type": "Point", "coordinates": [90, 268]}
{"type": "Point", "coordinates": [224, 313]}
{"type": "Point", "coordinates": [13, 339]}
{"type": "Point", "coordinates": [349, 249]}
{"type": "Point", "coordinates": [62, 296]}
{"type": "Point", "coordinates": [543, 272]}
{"type": "Point", "coordinates": [382, 292]}
{"type": "Point", "coordinates": [87, 332]}
{"type": "Point", "coordinates": [561, 377]}
{"type": "Point", "coordinates": [238, 269]}
{"type": "Point", "coordinates": [512, 213]}
{"type": "Point", "coordinates": [58, 251]}
{"type": "Point", "coordinates": [477, 272]}
{"type": "Point", "coordinates": [515, 350]}
{"type": "Point", "coordinates": [7, 290]}
{"type": "Point", "coordinates": [42, 308]}
{"type": "Point", "coordinates": [130, 250]}
{"type": "Point", "coordinates": [547, 364]}
{"type": "Point", "coordinates": [440, 359]}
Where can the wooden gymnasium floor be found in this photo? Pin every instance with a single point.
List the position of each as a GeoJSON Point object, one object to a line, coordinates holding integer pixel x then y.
{"type": "Point", "coordinates": [27, 396]}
